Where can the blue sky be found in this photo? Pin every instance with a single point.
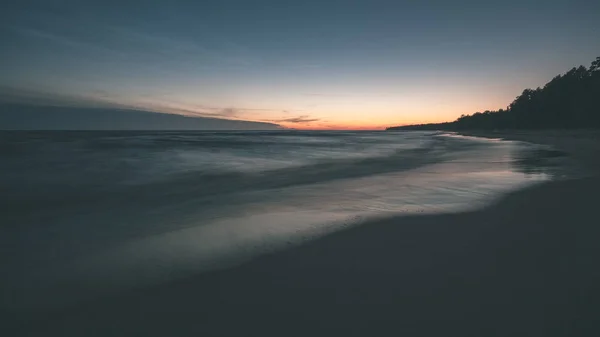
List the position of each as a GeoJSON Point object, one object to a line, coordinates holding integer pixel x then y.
{"type": "Point", "coordinates": [310, 64]}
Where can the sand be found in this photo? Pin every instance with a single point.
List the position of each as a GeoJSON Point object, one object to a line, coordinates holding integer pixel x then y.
{"type": "Point", "coordinates": [582, 145]}
{"type": "Point", "coordinates": [524, 266]}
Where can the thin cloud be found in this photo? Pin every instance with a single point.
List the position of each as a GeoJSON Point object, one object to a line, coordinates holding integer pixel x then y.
{"type": "Point", "coordinates": [349, 95]}
{"type": "Point", "coordinates": [232, 111]}
{"type": "Point", "coordinates": [229, 112]}
{"type": "Point", "coordinates": [222, 52]}
{"type": "Point", "coordinates": [203, 111]}
{"type": "Point", "coordinates": [219, 112]}
{"type": "Point", "coordinates": [66, 41]}
{"type": "Point", "coordinates": [299, 119]}
{"type": "Point", "coordinates": [121, 39]}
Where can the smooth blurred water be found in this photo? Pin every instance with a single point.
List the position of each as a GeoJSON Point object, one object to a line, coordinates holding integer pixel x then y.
{"type": "Point", "coordinates": [83, 212]}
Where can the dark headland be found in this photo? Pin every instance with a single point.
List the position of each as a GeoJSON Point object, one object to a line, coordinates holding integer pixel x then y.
{"type": "Point", "coordinates": [19, 116]}
{"type": "Point", "coordinates": [568, 101]}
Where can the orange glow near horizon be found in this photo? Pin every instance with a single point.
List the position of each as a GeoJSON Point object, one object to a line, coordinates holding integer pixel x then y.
{"type": "Point", "coordinates": [335, 127]}
{"type": "Point", "coordinates": [381, 113]}
{"type": "Point", "coordinates": [358, 125]}
{"type": "Point", "coordinates": [338, 113]}
{"type": "Point", "coordinates": [325, 120]}
{"type": "Point", "coordinates": [377, 121]}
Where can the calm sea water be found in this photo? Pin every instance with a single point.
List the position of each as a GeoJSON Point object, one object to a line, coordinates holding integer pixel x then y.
{"type": "Point", "coordinates": [83, 213]}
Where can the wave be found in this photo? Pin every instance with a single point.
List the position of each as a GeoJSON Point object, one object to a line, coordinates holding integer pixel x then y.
{"type": "Point", "coordinates": [204, 186]}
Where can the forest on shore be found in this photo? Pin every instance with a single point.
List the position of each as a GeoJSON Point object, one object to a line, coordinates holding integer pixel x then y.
{"type": "Point", "coordinates": [569, 101]}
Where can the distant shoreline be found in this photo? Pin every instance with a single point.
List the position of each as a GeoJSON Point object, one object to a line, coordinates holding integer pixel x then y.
{"type": "Point", "coordinates": [566, 102]}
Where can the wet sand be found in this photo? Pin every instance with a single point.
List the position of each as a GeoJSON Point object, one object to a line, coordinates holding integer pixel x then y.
{"type": "Point", "coordinates": [525, 266]}
{"type": "Point", "coordinates": [581, 145]}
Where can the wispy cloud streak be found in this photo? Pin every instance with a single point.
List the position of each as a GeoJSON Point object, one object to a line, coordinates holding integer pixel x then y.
{"type": "Point", "coordinates": [298, 119]}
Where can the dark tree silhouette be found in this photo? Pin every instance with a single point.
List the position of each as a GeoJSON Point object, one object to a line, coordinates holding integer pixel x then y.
{"type": "Point", "coordinates": [570, 100]}
{"type": "Point", "coordinates": [595, 65]}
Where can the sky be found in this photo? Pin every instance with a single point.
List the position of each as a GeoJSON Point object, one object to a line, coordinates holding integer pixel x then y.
{"type": "Point", "coordinates": [311, 64]}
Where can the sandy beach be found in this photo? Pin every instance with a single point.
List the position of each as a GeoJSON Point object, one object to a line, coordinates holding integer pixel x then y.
{"type": "Point", "coordinates": [524, 266]}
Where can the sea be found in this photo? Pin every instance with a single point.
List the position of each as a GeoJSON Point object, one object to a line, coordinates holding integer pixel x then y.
{"type": "Point", "coordinates": [85, 214]}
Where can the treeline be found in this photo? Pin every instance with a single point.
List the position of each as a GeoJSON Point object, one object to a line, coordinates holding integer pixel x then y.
{"type": "Point", "coordinates": [570, 100]}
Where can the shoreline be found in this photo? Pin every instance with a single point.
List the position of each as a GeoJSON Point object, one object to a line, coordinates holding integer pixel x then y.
{"type": "Point", "coordinates": [522, 266]}
{"type": "Point", "coordinates": [581, 145]}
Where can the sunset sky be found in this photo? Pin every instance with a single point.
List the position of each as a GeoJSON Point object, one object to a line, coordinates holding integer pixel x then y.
{"type": "Point", "coordinates": [303, 64]}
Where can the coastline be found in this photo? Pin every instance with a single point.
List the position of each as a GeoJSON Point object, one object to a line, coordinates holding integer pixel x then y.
{"type": "Point", "coordinates": [581, 145]}
{"type": "Point", "coordinates": [522, 266]}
